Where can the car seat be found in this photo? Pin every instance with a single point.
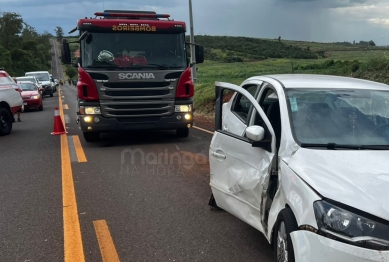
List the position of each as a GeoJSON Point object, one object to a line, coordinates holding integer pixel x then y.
{"type": "Point", "coordinates": [274, 115]}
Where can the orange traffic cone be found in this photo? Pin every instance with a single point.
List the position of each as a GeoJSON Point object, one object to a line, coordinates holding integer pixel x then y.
{"type": "Point", "coordinates": [59, 129]}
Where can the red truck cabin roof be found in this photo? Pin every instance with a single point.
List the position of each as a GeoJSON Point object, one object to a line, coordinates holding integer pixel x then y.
{"type": "Point", "coordinates": [130, 25]}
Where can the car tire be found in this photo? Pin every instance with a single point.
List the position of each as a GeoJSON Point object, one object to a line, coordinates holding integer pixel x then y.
{"type": "Point", "coordinates": [286, 223]}
{"type": "Point", "coordinates": [6, 121]}
{"type": "Point", "coordinates": [51, 93]}
{"type": "Point", "coordinates": [91, 136]}
{"type": "Point", "coordinates": [41, 107]}
{"type": "Point", "coordinates": [182, 132]}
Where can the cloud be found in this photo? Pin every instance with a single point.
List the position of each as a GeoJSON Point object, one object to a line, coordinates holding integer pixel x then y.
{"type": "Point", "coordinates": [309, 20]}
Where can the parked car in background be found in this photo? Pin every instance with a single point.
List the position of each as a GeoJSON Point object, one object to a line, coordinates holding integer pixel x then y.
{"type": "Point", "coordinates": [30, 79]}
{"type": "Point", "coordinates": [304, 159]}
{"type": "Point", "coordinates": [32, 98]}
{"type": "Point", "coordinates": [10, 102]}
{"type": "Point", "coordinates": [44, 78]}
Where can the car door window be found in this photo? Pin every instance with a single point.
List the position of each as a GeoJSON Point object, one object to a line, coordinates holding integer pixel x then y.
{"type": "Point", "coordinates": [241, 106]}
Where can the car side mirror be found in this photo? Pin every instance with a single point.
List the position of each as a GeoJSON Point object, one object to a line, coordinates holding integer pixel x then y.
{"type": "Point", "coordinates": [65, 52]}
{"type": "Point", "coordinates": [199, 51]}
{"type": "Point", "coordinates": [255, 133]}
{"type": "Point", "coordinates": [18, 89]}
{"type": "Point", "coordinates": [41, 89]}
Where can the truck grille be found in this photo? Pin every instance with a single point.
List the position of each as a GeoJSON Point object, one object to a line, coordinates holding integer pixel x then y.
{"type": "Point", "coordinates": [138, 90]}
{"type": "Point", "coordinates": [136, 99]}
{"type": "Point", "coordinates": [137, 108]}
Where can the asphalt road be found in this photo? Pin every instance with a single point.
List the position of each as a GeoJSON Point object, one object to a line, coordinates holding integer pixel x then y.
{"type": "Point", "coordinates": [140, 196]}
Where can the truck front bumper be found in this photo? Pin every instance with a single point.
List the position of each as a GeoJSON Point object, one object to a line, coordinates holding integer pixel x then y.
{"type": "Point", "coordinates": [98, 123]}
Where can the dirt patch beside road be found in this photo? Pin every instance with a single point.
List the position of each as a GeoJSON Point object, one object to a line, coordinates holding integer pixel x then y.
{"type": "Point", "coordinates": [205, 121]}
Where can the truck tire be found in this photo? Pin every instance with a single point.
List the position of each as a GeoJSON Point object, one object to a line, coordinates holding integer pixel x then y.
{"type": "Point", "coordinates": [91, 136]}
{"type": "Point", "coordinates": [182, 132]}
{"type": "Point", "coordinates": [5, 122]}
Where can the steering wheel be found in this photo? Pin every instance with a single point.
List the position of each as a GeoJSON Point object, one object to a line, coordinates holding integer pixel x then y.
{"type": "Point", "coordinates": [379, 127]}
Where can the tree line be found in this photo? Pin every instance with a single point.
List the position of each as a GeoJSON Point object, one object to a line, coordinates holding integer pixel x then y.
{"type": "Point", "coordinates": [22, 48]}
{"type": "Point", "coordinates": [243, 49]}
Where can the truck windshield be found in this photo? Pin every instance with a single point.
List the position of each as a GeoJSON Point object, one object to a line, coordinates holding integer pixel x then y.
{"type": "Point", "coordinates": [339, 116]}
{"type": "Point", "coordinates": [133, 50]}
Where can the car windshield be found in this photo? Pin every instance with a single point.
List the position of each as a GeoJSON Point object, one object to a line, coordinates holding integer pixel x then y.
{"type": "Point", "coordinates": [27, 87]}
{"type": "Point", "coordinates": [41, 76]}
{"type": "Point", "coordinates": [134, 50]}
{"type": "Point", "coordinates": [342, 116]}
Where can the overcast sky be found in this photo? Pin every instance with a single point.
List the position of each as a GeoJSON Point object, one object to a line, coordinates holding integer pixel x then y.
{"type": "Point", "coordinates": [308, 20]}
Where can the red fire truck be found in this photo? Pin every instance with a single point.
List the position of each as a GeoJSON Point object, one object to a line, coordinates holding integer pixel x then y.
{"type": "Point", "coordinates": [134, 73]}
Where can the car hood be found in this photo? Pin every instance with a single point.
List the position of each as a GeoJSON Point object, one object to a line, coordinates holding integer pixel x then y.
{"type": "Point", "coordinates": [45, 83]}
{"type": "Point", "coordinates": [357, 178]}
{"type": "Point", "coordinates": [29, 93]}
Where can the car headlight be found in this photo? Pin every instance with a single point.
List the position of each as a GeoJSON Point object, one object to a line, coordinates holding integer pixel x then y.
{"type": "Point", "coordinates": [350, 227]}
{"type": "Point", "coordinates": [183, 108]}
{"type": "Point", "coordinates": [35, 97]}
{"type": "Point", "coordinates": [90, 110]}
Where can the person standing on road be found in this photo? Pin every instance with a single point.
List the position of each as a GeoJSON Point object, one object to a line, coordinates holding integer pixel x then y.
{"type": "Point", "coordinates": [20, 109]}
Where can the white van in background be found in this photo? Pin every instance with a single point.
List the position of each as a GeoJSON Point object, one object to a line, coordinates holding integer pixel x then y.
{"type": "Point", "coordinates": [45, 79]}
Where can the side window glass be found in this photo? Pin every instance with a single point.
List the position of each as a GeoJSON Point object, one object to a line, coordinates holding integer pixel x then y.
{"type": "Point", "coordinates": [241, 106]}
{"type": "Point", "coordinates": [234, 122]}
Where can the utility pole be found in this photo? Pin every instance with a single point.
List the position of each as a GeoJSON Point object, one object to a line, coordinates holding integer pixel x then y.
{"type": "Point", "coordinates": [192, 45]}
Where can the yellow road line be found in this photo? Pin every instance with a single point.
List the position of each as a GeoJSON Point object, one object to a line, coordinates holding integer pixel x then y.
{"type": "Point", "coordinates": [79, 151]}
{"type": "Point", "coordinates": [202, 129]}
{"type": "Point", "coordinates": [107, 247]}
{"type": "Point", "coordinates": [73, 247]}
{"type": "Point", "coordinates": [66, 106]}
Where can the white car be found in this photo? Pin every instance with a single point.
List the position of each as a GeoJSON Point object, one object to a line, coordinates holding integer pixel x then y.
{"type": "Point", "coordinates": [305, 160]}
{"type": "Point", "coordinates": [45, 80]}
{"type": "Point", "coordinates": [10, 102]}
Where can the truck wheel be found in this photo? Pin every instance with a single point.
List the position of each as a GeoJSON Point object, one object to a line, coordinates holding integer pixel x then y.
{"type": "Point", "coordinates": [182, 132]}
{"type": "Point", "coordinates": [283, 248]}
{"type": "Point", "coordinates": [91, 136]}
{"type": "Point", "coordinates": [5, 122]}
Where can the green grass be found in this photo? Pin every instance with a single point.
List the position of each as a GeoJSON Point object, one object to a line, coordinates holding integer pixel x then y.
{"type": "Point", "coordinates": [374, 66]}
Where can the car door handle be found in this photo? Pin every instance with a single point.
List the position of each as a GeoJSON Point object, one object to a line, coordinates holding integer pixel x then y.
{"type": "Point", "coordinates": [218, 155]}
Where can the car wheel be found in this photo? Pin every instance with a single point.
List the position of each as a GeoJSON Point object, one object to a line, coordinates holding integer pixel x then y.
{"type": "Point", "coordinates": [41, 107]}
{"type": "Point", "coordinates": [6, 120]}
{"type": "Point", "coordinates": [91, 136]}
{"type": "Point", "coordinates": [182, 132]}
{"type": "Point", "coordinates": [283, 248]}
{"type": "Point", "coordinates": [51, 93]}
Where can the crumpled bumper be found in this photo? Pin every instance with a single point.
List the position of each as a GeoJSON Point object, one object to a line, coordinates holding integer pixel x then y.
{"type": "Point", "coordinates": [311, 247]}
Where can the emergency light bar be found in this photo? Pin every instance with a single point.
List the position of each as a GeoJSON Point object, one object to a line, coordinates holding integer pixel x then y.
{"type": "Point", "coordinates": [131, 15]}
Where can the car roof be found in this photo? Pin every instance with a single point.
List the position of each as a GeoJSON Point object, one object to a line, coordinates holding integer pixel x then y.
{"type": "Point", "coordinates": [38, 72]}
{"type": "Point", "coordinates": [26, 82]}
{"type": "Point", "coordinates": [325, 81]}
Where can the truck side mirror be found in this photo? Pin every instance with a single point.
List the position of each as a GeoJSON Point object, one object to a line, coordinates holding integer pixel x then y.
{"type": "Point", "coordinates": [65, 52]}
{"type": "Point", "coordinates": [199, 51]}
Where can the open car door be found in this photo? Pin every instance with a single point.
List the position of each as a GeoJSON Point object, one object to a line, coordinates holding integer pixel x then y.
{"type": "Point", "coordinates": [241, 165]}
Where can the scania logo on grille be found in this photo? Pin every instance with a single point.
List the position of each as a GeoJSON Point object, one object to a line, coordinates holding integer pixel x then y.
{"type": "Point", "coordinates": [136, 76]}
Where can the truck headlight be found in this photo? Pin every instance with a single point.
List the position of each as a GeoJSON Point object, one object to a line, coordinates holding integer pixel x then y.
{"type": "Point", "coordinates": [90, 110]}
{"type": "Point", "coordinates": [183, 108]}
{"type": "Point", "coordinates": [350, 227]}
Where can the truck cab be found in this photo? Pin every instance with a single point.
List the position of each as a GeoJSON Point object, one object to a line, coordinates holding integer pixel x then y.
{"type": "Point", "coordinates": [134, 73]}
